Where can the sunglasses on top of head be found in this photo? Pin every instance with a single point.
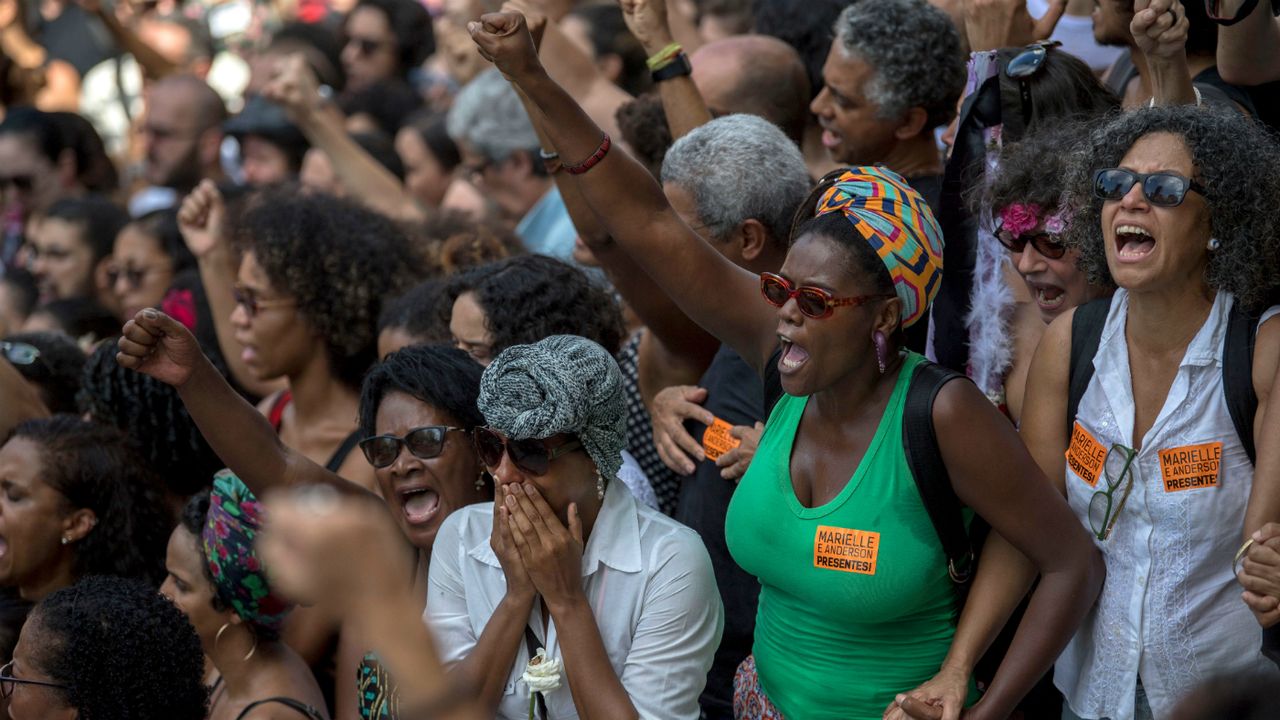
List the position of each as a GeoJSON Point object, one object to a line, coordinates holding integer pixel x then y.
{"type": "Point", "coordinates": [1165, 189]}
{"type": "Point", "coordinates": [812, 301]}
{"type": "Point", "coordinates": [531, 456]}
{"type": "Point", "coordinates": [425, 442]}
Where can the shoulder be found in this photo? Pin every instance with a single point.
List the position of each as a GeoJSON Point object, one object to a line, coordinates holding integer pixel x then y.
{"type": "Point", "coordinates": [1266, 353]}
{"type": "Point", "coordinates": [665, 541]}
{"type": "Point", "coordinates": [466, 525]}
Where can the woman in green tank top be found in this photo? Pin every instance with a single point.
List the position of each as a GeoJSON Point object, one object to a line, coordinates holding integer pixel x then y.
{"type": "Point", "coordinates": [855, 606]}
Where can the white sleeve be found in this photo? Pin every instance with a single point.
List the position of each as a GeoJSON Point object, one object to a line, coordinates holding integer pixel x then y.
{"type": "Point", "coordinates": [632, 475]}
{"type": "Point", "coordinates": [678, 632]}
{"type": "Point", "coordinates": [446, 613]}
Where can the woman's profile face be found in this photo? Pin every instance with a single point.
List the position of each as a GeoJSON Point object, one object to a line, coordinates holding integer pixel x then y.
{"type": "Point", "coordinates": [422, 492]}
{"type": "Point", "coordinates": [188, 587]}
{"type": "Point", "coordinates": [35, 702]}
{"type": "Point", "coordinates": [1150, 247]}
{"type": "Point", "coordinates": [32, 518]}
{"type": "Point", "coordinates": [275, 341]}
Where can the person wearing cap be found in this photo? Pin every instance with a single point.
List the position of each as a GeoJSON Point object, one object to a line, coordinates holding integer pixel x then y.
{"type": "Point", "coordinates": [566, 596]}
{"type": "Point", "coordinates": [857, 603]}
{"type": "Point", "coordinates": [271, 147]}
{"type": "Point", "coordinates": [216, 578]}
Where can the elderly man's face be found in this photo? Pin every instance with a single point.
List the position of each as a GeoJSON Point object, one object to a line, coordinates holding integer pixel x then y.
{"type": "Point", "coordinates": [852, 130]}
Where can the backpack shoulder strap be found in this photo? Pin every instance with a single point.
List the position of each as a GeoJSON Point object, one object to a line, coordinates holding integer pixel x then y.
{"type": "Point", "coordinates": [1086, 333]}
{"type": "Point", "coordinates": [302, 708]}
{"type": "Point", "coordinates": [1237, 374]}
{"type": "Point", "coordinates": [930, 472]}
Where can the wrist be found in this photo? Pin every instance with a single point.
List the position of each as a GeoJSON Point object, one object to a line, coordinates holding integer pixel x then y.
{"type": "Point", "coordinates": [562, 607]}
{"type": "Point", "coordinates": [655, 42]}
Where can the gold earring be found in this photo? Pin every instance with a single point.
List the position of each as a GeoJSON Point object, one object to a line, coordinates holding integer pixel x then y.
{"type": "Point", "coordinates": [223, 629]}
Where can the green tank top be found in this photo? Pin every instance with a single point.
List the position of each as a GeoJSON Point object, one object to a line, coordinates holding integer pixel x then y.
{"type": "Point", "coordinates": [855, 602]}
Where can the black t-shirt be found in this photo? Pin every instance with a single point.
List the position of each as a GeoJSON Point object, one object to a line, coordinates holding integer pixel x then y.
{"type": "Point", "coordinates": [734, 394]}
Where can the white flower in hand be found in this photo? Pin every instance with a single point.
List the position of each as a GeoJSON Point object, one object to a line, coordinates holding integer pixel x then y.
{"type": "Point", "coordinates": [542, 674]}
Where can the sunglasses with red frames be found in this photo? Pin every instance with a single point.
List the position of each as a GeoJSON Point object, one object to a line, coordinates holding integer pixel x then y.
{"type": "Point", "coordinates": [812, 301]}
{"type": "Point", "coordinates": [530, 456]}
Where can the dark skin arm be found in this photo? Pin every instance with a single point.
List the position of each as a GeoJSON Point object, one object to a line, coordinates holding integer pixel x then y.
{"type": "Point", "coordinates": [632, 208]}
{"type": "Point", "coordinates": [157, 345]}
{"type": "Point", "coordinates": [684, 106]}
{"type": "Point", "coordinates": [1260, 569]}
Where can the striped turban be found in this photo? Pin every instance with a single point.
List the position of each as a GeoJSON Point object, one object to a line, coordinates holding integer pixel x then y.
{"type": "Point", "coordinates": [898, 223]}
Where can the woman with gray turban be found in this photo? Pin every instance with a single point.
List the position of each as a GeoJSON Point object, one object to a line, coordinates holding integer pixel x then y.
{"type": "Point", "coordinates": [565, 597]}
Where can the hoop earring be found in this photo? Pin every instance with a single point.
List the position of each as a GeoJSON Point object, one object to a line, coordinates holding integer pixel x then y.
{"type": "Point", "coordinates": [599, 486]}
{"type": "Point", "coordinates": [1214, 244]}
{"type": "Point", "coordinates": [223, 629]}
{"type": "Point", "coordinates": [881, 349]}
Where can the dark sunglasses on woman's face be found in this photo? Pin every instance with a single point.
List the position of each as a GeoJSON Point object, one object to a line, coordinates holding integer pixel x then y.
{"type": "Point", "coordinates": [7, 681]}
{"type": "Point", "coordinates": [364, 46]}
{"type": "Point", "coordinates": [812, 302]}
{"type": "Point", "coordinates": [530, 456]}
{"type": "Point", "coordinates": [424, 442]}
{"type": "Point", "coordinates": [1041, 241]}
{"type": "Point", "coordinates": [1165, 189]}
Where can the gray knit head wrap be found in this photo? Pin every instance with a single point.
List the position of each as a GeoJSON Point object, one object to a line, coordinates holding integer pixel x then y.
{"type": "Point", "coordinates": [562, 384]}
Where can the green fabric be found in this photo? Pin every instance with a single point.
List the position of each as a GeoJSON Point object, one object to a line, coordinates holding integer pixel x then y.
{"type": "Point", "coordinates": [838, 643]}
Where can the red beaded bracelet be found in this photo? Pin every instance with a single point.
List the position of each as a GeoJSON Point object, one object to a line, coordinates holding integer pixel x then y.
{"type": "Point", "coordinates": [591, 162]}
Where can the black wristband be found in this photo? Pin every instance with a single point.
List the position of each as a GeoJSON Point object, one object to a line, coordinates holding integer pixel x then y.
{"type": "Point", "coordinates": [678, 66]}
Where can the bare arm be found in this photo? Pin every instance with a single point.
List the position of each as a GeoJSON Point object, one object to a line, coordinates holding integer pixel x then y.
{"type": "Point", "coordinates": [683, 104]}
{"type": "Point", "coordinates": [632, 208]}
{"type": "Point", "coordinates": [154, 65]}
{"type": "Point", "coordinates": [1159, 28]}
{"type": "Point", "coordinates": [1249, 51]}
{"type": "Point", "coordinates": [1264, 500]}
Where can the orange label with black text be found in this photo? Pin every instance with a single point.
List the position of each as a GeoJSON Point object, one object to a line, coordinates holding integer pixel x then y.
{"type": "Point", "coordinates": [846, 550]}
{"type": "Point", "coordinates": [717, 441]}
{"type": "Point", "coordinates": [1085, 455]}
{"type": "Point", "coordinates": [1191, 467]}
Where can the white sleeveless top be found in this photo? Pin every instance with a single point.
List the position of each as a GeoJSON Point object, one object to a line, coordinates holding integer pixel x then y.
{"type": "Point", "coordinates": [1170, 610]}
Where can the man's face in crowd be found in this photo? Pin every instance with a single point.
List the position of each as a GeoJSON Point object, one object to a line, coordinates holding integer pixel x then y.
{"type": "Point", "coordinates": [62, 263]}
{"type": "Point", "coordinates": [263, 162]}
{"type": "Point", "coordinates": [497, 180]}
{"type": "Point", "coordinates": [852, 130]}
{"type": "Point", "coordinates": [28, 181]}
{"type": "Point", "coordinates": [1111, 19]}
{"type": "Point", "coordinates": [171, 138]}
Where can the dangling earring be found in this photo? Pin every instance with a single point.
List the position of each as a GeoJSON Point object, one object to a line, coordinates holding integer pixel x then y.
{"type": "Point", "coordinates": [480, 482]}
{"type": "Point", "coordinates": [881, 349]}
{"type": "Point", "coordinates": [1214, 244]}
{"type": "Point", "coordinates": [599, 486]}
{"type": "Point", "coordinates": [223, 629]}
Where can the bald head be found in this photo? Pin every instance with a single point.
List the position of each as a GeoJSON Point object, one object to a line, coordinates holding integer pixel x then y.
{"type": "Point", "coordinates": [754, 74]}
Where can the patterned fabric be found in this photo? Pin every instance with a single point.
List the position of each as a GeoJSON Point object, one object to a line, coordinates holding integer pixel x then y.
{"type": "Point", "coordinates": [376, 690]}
{"type": "Point", "coordinates": [235, 516]}
{"type": "Point", "coordinates": [561, 384]}
{"type": "Point", "coordinates": [898, 223]}
{"type": "Point", "coordinates": [665, 483]}
{"type": "Point", "coordinates": [749, 700]}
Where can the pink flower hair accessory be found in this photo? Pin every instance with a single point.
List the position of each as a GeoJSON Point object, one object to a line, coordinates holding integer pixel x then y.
{"type": "Point", "coordinates": [1019, 218]}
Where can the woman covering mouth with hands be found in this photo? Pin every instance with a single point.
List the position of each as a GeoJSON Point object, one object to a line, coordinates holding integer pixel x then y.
{"type": "Point", "coordinates": [864, 263]}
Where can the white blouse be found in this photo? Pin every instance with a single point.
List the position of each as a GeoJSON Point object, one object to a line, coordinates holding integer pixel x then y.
{"type": "Point", "coordinates": [650, 585]}
{"type": "Point", "coordinates": [1170, 611]}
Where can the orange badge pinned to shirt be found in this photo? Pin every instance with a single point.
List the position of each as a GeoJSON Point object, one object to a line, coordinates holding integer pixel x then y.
{"type": "Point", "coordinates": [1191, 467]}
{"type": "Point", "coordinates": [717, 441]}
{"type": "Point", "coordinates": [1085, 455]}
{"type": "Point", "coordinates": [846, 550]}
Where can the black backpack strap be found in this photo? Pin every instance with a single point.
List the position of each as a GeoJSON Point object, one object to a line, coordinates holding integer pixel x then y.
{"type": "Point", "coordinates": [1086, 333]}
{"type": "Point", "coordinates": [1237, 374]}
{"type": "Point", "coordinates": [930, 472]}
{"type": "Point", "coordinates": [302, 708]}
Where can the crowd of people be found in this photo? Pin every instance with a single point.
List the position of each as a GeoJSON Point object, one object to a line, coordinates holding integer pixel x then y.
{"type": "Point", "coordinates": [661, 359]}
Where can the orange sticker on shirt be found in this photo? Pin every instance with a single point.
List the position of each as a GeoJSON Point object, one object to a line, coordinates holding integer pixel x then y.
{"type": "Point", "coordinates": [846, 550]}
{"type": "Point", "coordinates": [717, 441]}
{"type": "Point", "coordinates": [1191, 467]}
{"type": "Point", "coordinates": [1085, 455]}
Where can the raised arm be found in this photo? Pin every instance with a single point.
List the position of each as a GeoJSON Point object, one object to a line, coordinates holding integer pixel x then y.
{"type": "Point", "coordinates": [683, 104]}
{"type": "Point", "coordinates": [154, 65]}
{"type": "Point", "coordinates": [1159, 27]}
{"type": "Point", "coordinates": [1249, 51]}
{"type": "Point", "coordinates": [714, 292]}
{"type": "Point", "coordinates": [157, 345]}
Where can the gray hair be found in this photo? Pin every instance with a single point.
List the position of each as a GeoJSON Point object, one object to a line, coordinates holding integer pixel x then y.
{"type": "Point", "coordinates": [488, 115]}
{"type": "Point", "coordinates": [561, 384]}
{"type": "Point", "coordinates": [913, 49]}
{"type": "Point", "coordinates": [737, 168]}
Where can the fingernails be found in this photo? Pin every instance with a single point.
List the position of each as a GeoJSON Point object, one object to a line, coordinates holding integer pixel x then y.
{"type": "Point", "coordinates": [151, 314]}
{"type": "Point", "coordinates": [899, 698]}
{"type": "Point", "coordinates": [472, 27]}
{"type": "Point", "coordinates": [1257, 536]}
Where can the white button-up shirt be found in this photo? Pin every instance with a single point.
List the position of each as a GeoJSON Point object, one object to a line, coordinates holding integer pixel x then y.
{"type": "Point", "coordinates": [650, 585]}
{"type": "Point", "coordinates": [1170, 611]}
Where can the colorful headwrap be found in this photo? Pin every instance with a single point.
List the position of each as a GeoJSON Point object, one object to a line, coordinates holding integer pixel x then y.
{"type": "Point", "coordinates": [235, 516]}
{"type": "Point", "coordinates": [898, 223]}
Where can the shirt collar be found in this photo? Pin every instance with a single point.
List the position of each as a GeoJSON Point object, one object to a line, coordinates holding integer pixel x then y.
{"type": "Point", "coordinates": [614, 541]}
{"type": "Point", "coordinates": [1204, 350]}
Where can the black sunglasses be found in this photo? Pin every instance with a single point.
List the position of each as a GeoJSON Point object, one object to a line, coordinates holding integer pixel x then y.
{"type": "Point", "coordinates": [424, 442]}
{"type": "Point", "coordinates": [531, 456]}
{"type": "Point", "coordinates": [7, 681]}
{"type": "Point", "coordinates": [364, 46]}
{"type": "Point", "coordinates": [133, 277]}
{"type": "Point", "coordinates": [19, 353]}
{"type": "Point", "coordinates": [1022, 67]}
{"type": "Point", "coordinates": [1165, 189]}
{"type": "Point", "coordinates": [1043, 243]}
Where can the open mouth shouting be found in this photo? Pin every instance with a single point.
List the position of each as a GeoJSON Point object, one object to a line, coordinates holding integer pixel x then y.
{"type": "Point", "coordinates": [1133, 243]}
{"type": "Point", "coordinates": [793, 356]}
{"type": "Point", "coordinates": [419, 505]}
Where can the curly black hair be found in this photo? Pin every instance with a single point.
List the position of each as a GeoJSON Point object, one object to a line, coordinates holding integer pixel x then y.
{"type": "Point", "coordinates": [1032, 170]}
{"type": "Point", "coordinates": [1236, 159]}
{"type": "Point", "coordinates": [96, 466]}
{"type": "Point", "coordinates": [422, 312]}
{"type": "Point", "coordinates": [454, 240]}
{"type": "Point", "coordinates": [56, 372]}
{"type": "Point", "coordinates": [531, 297]}
{"type": "Point", "coordinates": [643, 124]}
{"type": "Point", "coordinates": [151, 413]}
{"type": "Point", "coordinates": [443, 377]}
{"type": "Point", "coordinates": [338, 260]}
{"type": "Point", "coordinates": [122, 650]}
